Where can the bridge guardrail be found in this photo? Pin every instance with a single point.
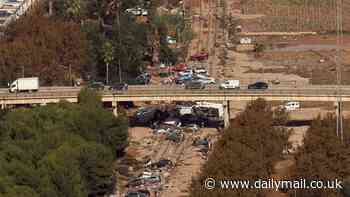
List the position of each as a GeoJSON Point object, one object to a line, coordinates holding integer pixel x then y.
{"type": "Point", "coordinates": [183, 92]}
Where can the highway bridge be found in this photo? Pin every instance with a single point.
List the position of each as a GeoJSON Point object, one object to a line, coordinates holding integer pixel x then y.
{"type": "Point", "coordinates": [177, 93]}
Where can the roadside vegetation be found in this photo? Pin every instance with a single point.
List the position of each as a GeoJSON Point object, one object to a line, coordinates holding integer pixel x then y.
{"type": "Point", "coordinates": [324, 157]}
{"type": "Point", "coordinates": [60, 150]}
{"type": "Point", "coordinates": [60, 41]}
{"type": "Point", "coordinates": [245, 151]}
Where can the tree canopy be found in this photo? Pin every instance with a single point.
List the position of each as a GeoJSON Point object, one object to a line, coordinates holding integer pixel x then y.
{"type": "Point", "coordinates": [42, 47]}
{"type": "Point", "coordinates": [60, 150]}
{"type": "Point", "coordinates": [324, 156]}
{"type": "Point", "coordinates": [246, 151]}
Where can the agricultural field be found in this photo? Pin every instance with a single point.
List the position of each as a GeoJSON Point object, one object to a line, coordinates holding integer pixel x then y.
{"type": "Point", "coordinates": [294, 15]}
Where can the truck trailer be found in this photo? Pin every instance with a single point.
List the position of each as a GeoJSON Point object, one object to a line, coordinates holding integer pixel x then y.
{"type": "Point", "coordinates": [24, 85]}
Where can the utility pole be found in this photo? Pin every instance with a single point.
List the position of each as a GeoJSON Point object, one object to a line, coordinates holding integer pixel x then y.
{"type": "Point", "coordinates": [70, 74]}
{"type": "Point", "coordinates": [200, 25]}
{"type": "Point", "coordinates": [23, 71]}
{"type": "Point", "coordinates": [339, 22]}
{"type": "Point", "coordinates": [119, 44]}
{"type": "Point", "coordinates": [107, 73]}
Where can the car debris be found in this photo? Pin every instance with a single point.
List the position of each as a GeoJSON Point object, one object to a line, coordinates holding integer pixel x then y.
{"type": "Point", "coordinates": [162, 163]}
{"type": "Point", "coordinates": [175, 136]}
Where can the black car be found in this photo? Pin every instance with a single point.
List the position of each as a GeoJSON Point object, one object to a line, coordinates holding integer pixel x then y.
{"type": "Point", "coordinates": [119, 87]}
{"type": "Point", "coordinates": [4, 14]}
{"type": "Point", "coordinates": [96, 85]}
{"type": "Point", "coordinates": [136, 194]}
{"type": "Point", "coordinates": [162, 163]}
{"type": "Point", "coordinates": [194, 85]}
{"type": "Point", "coordinates": [258, 86]}
{"type": "Point", "coordinates": [143, 79]}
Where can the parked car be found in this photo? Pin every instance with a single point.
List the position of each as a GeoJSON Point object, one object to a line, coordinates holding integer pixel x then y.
{"type": "Point", "coordinates": [201, 76]}
{"type": "Point", "coordinates": [199, 56]}
{"type": "Point", "coordinates": [258, 86]}
{"type": "Point", "coordinates": [200, 71]}
{"type": "Point", "coordinates": [143, 79]}
{"type": "Point", "coordinates": [194, 85]}
{"type": "Point", "coordinates": [291, 105]}
{"type": "Point", "coordinates": [179, 67]}
{"type": "Point", "coordinates": [186, 72]}
{"type": "Point", "coordinates": [119, 87]}
{"type": "Point", "coordinates": [5, 13]}
{"type": "Point", "coordinates": [96, 85]}
{"type": "Point", "coordinates": [230, 84]}
{"type": "Point", "coordinates": [183, 79]}
{"type": "Point", "coordinates": [137, 194]}
{"type": "Point", "coordinates": [207, 81]}
{"type": "Point", "coordinates": [134, 11]}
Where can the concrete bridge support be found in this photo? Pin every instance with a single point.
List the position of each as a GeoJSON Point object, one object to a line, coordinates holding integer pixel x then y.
{"type": "Point", "coordinates": [3, 106]}
{"type": "Point", "coordinates": [115, 108]}
{"type": "Point", "coordinates": [226, 105]}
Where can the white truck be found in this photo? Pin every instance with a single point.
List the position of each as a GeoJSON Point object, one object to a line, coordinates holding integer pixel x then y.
{"type": "Point", "coordinates": [24, 85]}
{"type": "Point", "coordinates": [230, 84]}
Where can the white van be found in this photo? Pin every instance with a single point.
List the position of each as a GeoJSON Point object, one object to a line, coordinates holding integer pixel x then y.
{"type": "Point", "coordinates": [230, 84]}
{"type": "Point", "coordinates": [292, 105]}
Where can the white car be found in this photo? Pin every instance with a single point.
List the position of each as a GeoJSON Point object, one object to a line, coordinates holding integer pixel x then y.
{"type": "Point", "coordinates": [207, 81]}
{"type": "Point", "coordinates": [201, 76]}
{"type": "Point", "coordinates": [186, 72]}
{"type": "Point", "coordinates": [144, 13]}
{"type": "Point", "coordinates": [200, 71]}
{"type": "Point", "coordinates": [292, 105]}
{"type": "Point", "coordinates": [12, 3]}
{"type": "Point", "coordinates": [171, 40]}
{"type": "Point", "coordinates": [230, 84]}
{"type": "Point", "coordinates": [134, 11]}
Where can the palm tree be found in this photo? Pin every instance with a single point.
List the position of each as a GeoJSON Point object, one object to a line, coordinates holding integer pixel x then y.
{"type": "Point", "coordinates": [108, 57]}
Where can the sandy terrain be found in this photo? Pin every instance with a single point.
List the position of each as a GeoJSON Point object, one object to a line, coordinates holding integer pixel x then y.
{"type": "Point", "coordinates": [188, 167]}
{"type": "Point", "coordinates": [283, 168]}
{"type": "Point", "coordinates": [187, 159]}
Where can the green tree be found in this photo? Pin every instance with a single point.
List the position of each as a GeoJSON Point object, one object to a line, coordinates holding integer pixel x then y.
{"type": "Point", "coordinates": [108, 57]}
{"type": "Point", "coordinates": [95, 161]}
{"type": "Point", "coordinates": [246, 151]}
{"type": "Point", "coordinates": [323, 156]}
{"type": "Point", "coordinates": [60, 150]}
{"type": "Point", "coordinates": [88, 97]}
